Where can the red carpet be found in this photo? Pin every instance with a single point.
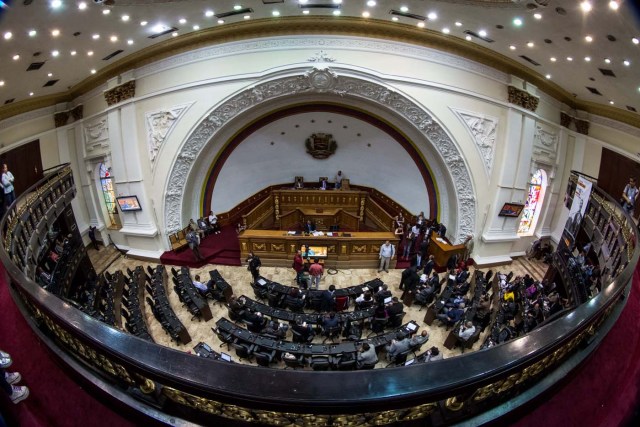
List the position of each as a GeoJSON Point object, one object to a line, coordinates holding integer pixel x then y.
{"type": "Point", "coordinates": [603, 392]}
{"type": "Point", "coordinates": [223, 248]}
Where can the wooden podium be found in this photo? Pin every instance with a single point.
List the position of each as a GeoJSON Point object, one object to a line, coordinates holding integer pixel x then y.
{"type": "Point", "coordinates": [442, 251]}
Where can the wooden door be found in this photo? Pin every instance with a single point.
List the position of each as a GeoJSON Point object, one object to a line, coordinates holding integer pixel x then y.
{"type": "Point", "coordinates": [614, 174]}
{"type": "Point", "coordinates": [25, 164]}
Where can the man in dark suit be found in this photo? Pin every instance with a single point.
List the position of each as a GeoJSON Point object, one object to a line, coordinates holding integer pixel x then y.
{"type": "Point", "coordinates": [410, 281]}
{"type": "Point", "coordinates": [328, 299]}
{"type": "Point", "coordinates": [309, 227]}
{"type": "Point", "coordinates": [395, 307]}
{"type": "Point", "coordinates": [330, 322]}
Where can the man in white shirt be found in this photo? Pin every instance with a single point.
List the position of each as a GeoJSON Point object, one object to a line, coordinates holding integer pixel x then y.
{"type": "Point", "coordinates": [199, 285]}
{"type": "Point", "coordinates": [7, 184]}
{"type": "Point", "coordinates": [338, 180]}
{"type": "Point", "coordinates": [466, 331]}
{"type": "Point", "coordinates": [213, 222]}
{"type": "Point", "coordinates": [387, 251]}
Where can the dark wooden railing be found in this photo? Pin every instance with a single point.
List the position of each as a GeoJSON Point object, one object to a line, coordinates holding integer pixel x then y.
{"type": "Point", "coordinates": [178, 386]}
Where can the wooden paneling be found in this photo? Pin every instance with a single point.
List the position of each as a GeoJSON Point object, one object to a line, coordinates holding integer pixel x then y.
{"type": "Point", "coordinates": [614, 174]}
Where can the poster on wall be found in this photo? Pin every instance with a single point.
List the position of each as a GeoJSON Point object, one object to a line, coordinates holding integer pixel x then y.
{"type": "Point", "coordinates": [578, 206]}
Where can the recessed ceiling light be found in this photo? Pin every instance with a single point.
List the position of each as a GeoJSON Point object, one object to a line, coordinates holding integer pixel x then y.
{"type": "Point", "coordinates": [113, 38]}
{"type": "Point", "coordinates": [125, 18]}
{"type": "Point", "coordinates": [90, 53]}
{"type": "Point", "coordinates": [1, 82]}
{"type": "Point", "coordinates": [421, 24]}
{"type": "Point", "coordinates": [517, 22]}
{"type": "Point", "coordinates": [143, 23]}
{"type": "Point", "coordinates": [182, 21]}
{"type": "Point", "coordinates": [587, 58]}
{"type": "Point", "coordinates": [55, 33]}
{"type": "Point", "coordinates": [196, 27]}
{"type": "Point", "coordinates": [530, 44]}
{"type": "Point", "coordinates": [73, 53]}
{"type": "Point", "coordinates": [305, 12]}
{"type": "Point", "coordinates": [537, 16]}
{"type": "Point", "coordinates": [55, 53]}
{"type": "Point", "coordinates": [482, 33]}
{"type": "Point", "coordinates": [208, 13]}
{"type": "Point", "coordinates": [365, 14]}
{"type": "Point", "coordinates": [553, 59]}
{"type": "Point", "coordinates": [247, 16]}
{"type": "Point", "coordinates": [626, 62]}
{"type": "Point", "coordinates": [93, 71]}
{"type": "Point", "coordinates": [611, 102]}
{"type": "Point", "coordinates": [635, 40]}
{"type": "Point", "coordinates": [371, 3]}
{"type": "Point", "coordinates": [55, 4]}
{"type": "Point", "coordinates": [237, 7]}
{"type": "Point", "coordinates": [95, 36]}
{"type": "Point", "coordinates": [220, 21]}
{"type": "Point", "coordinates": [446, 30]}
{"type": "Point", "coordinates": [432, 16]}
{"type": "Point", "coordinates": [275, 13]}
{"type": "Point", "coordinates": [458, 24]}
{"type": "Point", "coordinates": [468, 38]}
{"type": "Point", "coordinates": [8, 35]}
{"type": "Point", "coordinates": [174, 34]}
{"type": "Point", "coordinates": [159, 28]}
{"type": "Point", "coordinates": [303, 1]}
{"type": "Point", "coordinates": [337, 1]}
{"type": "Point", "coordinates": [129, 42]}
{"type": "Point", "coordinates": [336, 12]}
{"type": "Point", "coordinates": [32, 33]}
{"type": "Point", "coordinates": [394, 19]}
{"type": "Point", "coordinates": [607, 60]}
{"type": "Point", "coordinates": [404, 9]}
{"type": "Point", "coordinates": [588, 39]}
{"type": "Point", "coordinates": [548, 76]}
{"type": "Point", "coordinates": [586, 6]}
{"type": "Point", "coordinates": [16, 57]}
{"type": "Point", "coordinates": [512, 47]}
{"type": "Point", "coordinates": [30, 93]}
{"type": "Point", "coordinates": [49, 74]}
{"type": "Point", "coordinates": [613, 5]}
{"type": "Point", "coordinates": [569, 58]}
{"type": "Point", "coordinates": [106, 11]}
{"type": "Point", "coordinates": [82, 5]}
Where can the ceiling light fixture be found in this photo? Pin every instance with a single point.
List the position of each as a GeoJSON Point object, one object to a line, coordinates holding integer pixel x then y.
{"type": "Point", "coordinates": [55, 53]}
{"type": "Point", "coordinates": [305, 12]}
{"type": "Point", "coordinates": [337, 1]}
{"type": "Point", "coordinates": [548, 76]}
{"type": "Point", "coordinates": [55, 4]}
{"type": "Point", "coordinates": [82, 5]}
{"type": "Point", "coordinates": [588, 39]}
{"type": "Point", "coordinates": [553, 59]}
{"type": "Point", "coordinates": [16, 57]}
{"type": "Point", "coordinates": [404, 9]}
{"type": "Point", "coordinates": [530, 44]}
{"type": "Point", "coordinates": [586, 6]}
{"type": "Point", "coordinates": [635, 40]}
{"type": "Point", "coordinates": [366, 14]}
{"type": "Point", "coordinates": [73, 53]}
{"type": "Point", "coordinates": [394, 19]}
{"type": "Point", "coordinates": [482, 33]}
{"type": "Point", "coordinates": [607, 60]}
{"type": "Point", "coordinates": [95, 36]}
{"type": "Point", "coordinates": [458, 24]}
{"type": "Point", "coordinates": [237, 7]}
{"type": "Point", "coordinates": [49, 74]}
{"type": "Point", "coordinates": [129, 42]}
{"type": "Point", "coordinates": [143, 23]}
{"type": "Point", "coordinates": [220, 21]}
{"type": "Point", "coordinates": [626, 62]}
{"type": "Point", "coordinates": [370, 3]}
{"type": "Point", "coordinates": [8, 35]}
{"type": "Point", "coordinates": [537, 16]}
{"type": "Point", "coordinates": [32, 33]}
{"type": "Point", "coordinates": [106, 11]}
{"type": "Point", "coordinates": [93, 71]}
{"type": "Point", "coordinates": [208, 13]}
{"type": "Point", "coordinates": [30, 93]}
{"type": "Point", "coordinates": [55, 33]}
{"type": "Point", "coordinates": [90, 53]}
{"type": "Point", "coordinates": [275, 13]}
{"type": "Point", "coordinates": [517, 22]}
{"type": "Point", "coordinates": [512, 47]}
{"type": "Point", "coordinates": [1, 82]}
{"type": "Point", "coordinates": [182, 21]}
{"type": "Point", "coordinates": [247, 16]}
{"type": "Point", "coordinates": [196, 27]}
{"type": "Point", "coordinates": [432, 16]}
{"type": "Point", "coordinates": [613, 5]}
{"type": "Point", "coordinates": [446, 30]}
{"type": "Point", "coordinates": [468, 38]}
{"type": "Point", "coordinates": [587, 58]}
{"type": "Point", "coordinates": [174, 34]}
{"type": "Point", "coordinates": [125, 18]}
{"type": "Point", "coordinates": [336, 13]}
{"type": "Point", "coordinates": [113, 39]}
{"type": "Point", "coordinates": [569, 58]}
{"type": "Point", "coordinates": [420, 24]}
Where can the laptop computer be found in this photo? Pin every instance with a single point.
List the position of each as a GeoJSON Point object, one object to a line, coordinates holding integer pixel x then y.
{"type": "Point", "coordinates": [225, 357]}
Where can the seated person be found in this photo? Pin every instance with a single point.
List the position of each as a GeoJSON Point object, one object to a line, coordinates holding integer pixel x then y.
{"type": "Point", "coordinates": [213, 223]}
{"type": "Point", "coordinates": [202, 288]}
{"type": "Point", "coordinates": [256, 319]}
{"type": "Point", "coordinates": [424, 292]}
{"type": "Point", "coordinates": [330, 321]}
{"type": "Point", "coordinates": [461, 288]}
{"type": "Point", "coordinates": [366, 355]}
{"type": "Point", "coordinates": [462, 275]}
{"type": "Point", "coordinates": [466, 331]}
{"type": "Point", "coordinates": [305, 330]}
{"type": "Point", "coordinates": [418, 340]}
{"type": "Point", "coordinates": [194, 227]}
{"type": "Point", "coordinates": [240, 228]}
{"type": "Point", "coordinates": [381, 311]}
{"type": "Point", "coordinates": [383, 293]}
{"type": "Point", "coordinates": [204, 226]}
{"type": "Point", "coordinates": [395, 307]}
{"type": "Point", "coordinates": [236, 304]}
{"type": "Point", "coordinates": [455, 301]}
{"type": "Point", "coordinates": [294, 299]}
{"type": "Point", "coordinates": [323, 184]}
{"type": "Point", "coordinates": [299, 183]}
{"type": "Point", "coordinates": [451, 315]}
{"type": "Point", "coordinates": [276, 330]}
{"type": "Point", "coordinates": [309, 227]}
{"type": "Point", "coordinates": [364, 300]}
{"type": "Point", "coordinates": [327, 298]}
{"type": "Point", "coordinates": [433, 354]}
{"type": "Point", "coordinates": [399, 345]}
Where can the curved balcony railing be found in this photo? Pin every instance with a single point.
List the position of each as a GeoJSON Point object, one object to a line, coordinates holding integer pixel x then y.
{"type": "Point", "coordinates": [169, 383]}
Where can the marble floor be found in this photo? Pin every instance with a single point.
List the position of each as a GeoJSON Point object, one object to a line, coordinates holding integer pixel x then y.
{"type": "Point", "coordinates": [239, 279]}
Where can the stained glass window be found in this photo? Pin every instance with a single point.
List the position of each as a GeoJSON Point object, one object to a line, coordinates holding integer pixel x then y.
{"type": "Point", "coordinates": [532, 207]}
{"type": "Point", "coordinates": [106, 183]}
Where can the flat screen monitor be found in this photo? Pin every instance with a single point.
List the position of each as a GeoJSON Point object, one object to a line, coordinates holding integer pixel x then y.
{"type": "Point", "coordinates": [128, 203]}
{"type": "Point", "coordinates": [225, 357]}
{"type": "Point", "coordinates": [388, 300]}
{"type": "Point", "coordinates": [412, 326]}
{"type": "Point", "coordinates": [312, 251]}
{"type": "Point", "coordinates": [511, 209]}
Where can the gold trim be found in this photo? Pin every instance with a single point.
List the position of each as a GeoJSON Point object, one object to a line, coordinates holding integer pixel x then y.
{"type": "Point", "coordinates": [346, 26]}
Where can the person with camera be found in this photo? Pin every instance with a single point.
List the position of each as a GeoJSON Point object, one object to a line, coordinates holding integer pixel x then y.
{"type": "Point", "coordinates": [629, 195]}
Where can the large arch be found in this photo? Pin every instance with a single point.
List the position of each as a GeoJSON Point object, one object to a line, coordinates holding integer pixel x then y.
{"type": "Point", "coordinates": [324, 81]}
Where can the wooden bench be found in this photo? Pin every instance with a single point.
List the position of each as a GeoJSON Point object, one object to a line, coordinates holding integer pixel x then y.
{"type": "Point", "coordinates": [179, 240]}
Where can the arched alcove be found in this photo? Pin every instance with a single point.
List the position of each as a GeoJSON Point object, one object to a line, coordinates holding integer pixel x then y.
{"type": "Point", "coordinates": [204, 147]}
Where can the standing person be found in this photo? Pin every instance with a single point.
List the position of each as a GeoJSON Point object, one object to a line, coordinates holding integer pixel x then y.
{"type": "Point", "coordinates": [629, 195]}
{"type": "Point", "coordinates": [468, 247]}
{"type": "Point", "coordinates": [194, 244]}
{"type": "Point", "coordinates": [213, 222]}
{"type": "Point", "coordinates": [338, 180]}
{"type": "Point", "coordinates": [298, 265]}
{"type": "Point", "coordinates": [387, 251]}
{"type": "Point", "coordinates": [323, 184]}
{"type": "Point", "coordinates": [8, 379]}
{"type": "Point", "coordinates": [7, 184]}
{"type": "Point", "coordinates": [254, 266]}
{"type": "Point", "coordinates": [316, 272]}
{"type": "Point", "coordinates": [92, 236]}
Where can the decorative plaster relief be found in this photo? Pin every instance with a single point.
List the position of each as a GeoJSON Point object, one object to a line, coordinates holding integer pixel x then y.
{"type": "Point", "coordinates": [545, 144]}
{"type": "Point", "coordinates": [344, 86]}
{"type": "Point", "coordinates": [96, 135]}
{"type": "Point", "coordinates": [483, 130]}
{"type": "Point", "coordinates": [159, 125]}
{"type": "Point", "coordinates": [321, 56]}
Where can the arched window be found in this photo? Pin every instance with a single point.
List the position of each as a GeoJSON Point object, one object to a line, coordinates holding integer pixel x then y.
{"type": "Point", "coordinates": [106, 183]}
{"type": "Point", "coordinates": [533, 205]}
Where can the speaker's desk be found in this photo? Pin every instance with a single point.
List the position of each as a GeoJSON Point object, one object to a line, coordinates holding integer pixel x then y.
{"type": "Point", "coordinates": [442, 251]}
{"type": "Point", "coordinates": [344, 250]}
